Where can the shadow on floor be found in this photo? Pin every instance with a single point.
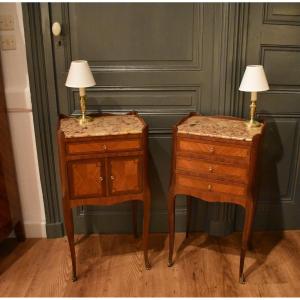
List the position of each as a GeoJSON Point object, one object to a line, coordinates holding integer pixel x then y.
{"type": "Point", "coordinates": [263, 244]}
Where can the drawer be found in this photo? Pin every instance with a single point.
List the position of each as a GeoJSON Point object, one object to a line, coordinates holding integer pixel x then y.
{"type": "Point", "coordinates": [211, 168]}
{"type": "Point", "coordinates": [103, 146]}
{"type": "Point", "coordinates": [198, 183]}
{"type": "Point", "coordinates": [225, 150]}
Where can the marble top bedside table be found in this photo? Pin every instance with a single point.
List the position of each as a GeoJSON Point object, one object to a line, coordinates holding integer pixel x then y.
{"type": "Point", "coordinates": [214, 159]}
{"type": "Point", "coordinates": [104, 163]}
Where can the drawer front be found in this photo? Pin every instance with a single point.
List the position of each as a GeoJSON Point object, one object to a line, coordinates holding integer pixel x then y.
{"type": "Point", "coordinates": [198, 183]}
{"type": "Point", "coordinates": [211, 169]}
{"type": "Point", "coordinates": [103, 146]}
{"type": "Point", "coordinates": [213, 149]}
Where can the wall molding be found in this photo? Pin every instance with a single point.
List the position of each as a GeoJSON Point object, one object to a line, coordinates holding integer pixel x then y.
{"type": "Point", "coordinates": [195, 63]}
{"type": "Point", "coordinates": [279, 18]}
{"type": "Point", "coordinates": [264, 49]}
{"type": "Point", "coordinates": [44, 109]}
{"type": "Point", "coordinates": [233, 20]}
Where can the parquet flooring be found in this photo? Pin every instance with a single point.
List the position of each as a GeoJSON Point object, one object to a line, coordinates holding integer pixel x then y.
{"type": "Point", "coordinates": [112, 266]}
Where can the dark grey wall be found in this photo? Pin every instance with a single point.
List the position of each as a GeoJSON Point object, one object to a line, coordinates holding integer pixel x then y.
{"type": "Point", "coordinates": [274, 41]}
{"type": "Point", "coordinates": [165, 60]}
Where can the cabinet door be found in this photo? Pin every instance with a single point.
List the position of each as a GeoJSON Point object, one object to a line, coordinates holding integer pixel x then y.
{"type": "Point", "coordinates": [125, 175]}
{"type": "Point", "coordinates": [86, 178]}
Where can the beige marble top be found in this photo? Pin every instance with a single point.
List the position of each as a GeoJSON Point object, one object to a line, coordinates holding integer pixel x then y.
{"type": "Point", "coordinates": [218, 127]}
{"type": "Point", "coordinates": [102, 125]}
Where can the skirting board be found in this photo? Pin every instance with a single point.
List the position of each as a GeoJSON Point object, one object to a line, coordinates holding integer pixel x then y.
{"type": "Point", "coordinates": [120, 222]}
{"type": "Point", "coordinates": [35, 230]}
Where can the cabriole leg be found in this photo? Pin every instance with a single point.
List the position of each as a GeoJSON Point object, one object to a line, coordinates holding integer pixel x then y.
{"type": "Point", "coordinates": [146, 225]}
{"type": "Point", "coordinates": [171, 221]}
{"type": "Point", "coordinates": [19, 231]}
{"type": "Point", "coordinates": [249, 217]}
{"type": "Point", "coordinates": [69, 225]}
{"type": "Point", "coordinates": [189, 214]}
{"type": "Point", "coordinates": [134, 218]}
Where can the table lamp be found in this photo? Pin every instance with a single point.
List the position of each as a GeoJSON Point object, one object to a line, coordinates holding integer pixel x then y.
{"type": "Point", "coordinates": [80, 76]}
{"type": "Point", "coordinates": [254, 80]}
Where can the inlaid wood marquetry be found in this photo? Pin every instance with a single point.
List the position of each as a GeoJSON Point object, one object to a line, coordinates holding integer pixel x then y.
{"type": "Point", "coordinates": [214, 159]}
{"type": "Point", "coordinates": [104, 163]}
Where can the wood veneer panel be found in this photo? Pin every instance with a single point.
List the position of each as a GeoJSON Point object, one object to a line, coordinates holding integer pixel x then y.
{"type": "Point", "coordinates": [103, 146]}
{"type": "Point", "coordinates": [196, 183]}
{"type": "Point", "coordinates": [212, 148]}
{"type": "Point", "coordinates": [211, 169]}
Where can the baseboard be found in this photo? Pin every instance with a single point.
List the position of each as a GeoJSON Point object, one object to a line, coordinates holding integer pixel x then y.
{"type": "Point", "coordinates": [35, 230]}
{"type": "Point", "coordinates": [121, 222]}
{"type": "Point", "coordinates": [219, 228]}
{"type": "Point", "coordinates": [54, 230]}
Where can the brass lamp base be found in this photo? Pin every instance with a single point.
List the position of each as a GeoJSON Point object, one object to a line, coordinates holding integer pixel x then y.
{"type": "Point", "coordinates": [83, 120]}
{"type": "Point", "coordinates": [252, 123]}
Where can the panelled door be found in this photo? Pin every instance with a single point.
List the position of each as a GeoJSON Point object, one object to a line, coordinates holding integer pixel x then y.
{"type": "Point", "coordinates": [274, 41]}
{"type": "Point", "coordinates": [157, 59]}
{"type": "Point", "coordinates": [125, 175]}
{"type": "Point", "coordinates": [86, 178]}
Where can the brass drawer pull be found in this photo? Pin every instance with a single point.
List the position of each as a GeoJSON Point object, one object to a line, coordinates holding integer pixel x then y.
{"type": "Point", "coordinates": [209, 187]}
{"type": "Point", "coordinates": [104, 147]}
{"type": "Point", "coordinates": [112, 177]}
{"type": "Point", "coordinates": [211, 149]}
{"type": "Point", "coordinates": [101, 178]}
{"type": "Point", "coordinates": [210, 169]}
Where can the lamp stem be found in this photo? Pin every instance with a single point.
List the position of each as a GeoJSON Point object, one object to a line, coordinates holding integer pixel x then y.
{"type": "Point", "coordinates": [252, 122]}
{"type": "Point", "coordinates": [83, 119]}
{"type": "Point", "coordinates": [253, 106]}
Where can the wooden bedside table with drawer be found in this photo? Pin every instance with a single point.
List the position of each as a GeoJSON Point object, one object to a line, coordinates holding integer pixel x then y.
{"type": "Point", "coordinates": [104, 163]}
{"type": "Point", "coordinates": [214, 159]}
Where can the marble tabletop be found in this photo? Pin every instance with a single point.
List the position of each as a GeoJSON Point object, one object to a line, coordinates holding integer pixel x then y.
{"type": "Point", "coordinates": [102, 126]}
{"type": "Point", "coordinates": [219, 128]}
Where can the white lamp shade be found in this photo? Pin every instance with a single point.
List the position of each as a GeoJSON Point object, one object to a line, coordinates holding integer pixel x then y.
{"type": "Point", "coordinates": [254, 79]}
{"type": "Point", "coordinates": [80, 75]}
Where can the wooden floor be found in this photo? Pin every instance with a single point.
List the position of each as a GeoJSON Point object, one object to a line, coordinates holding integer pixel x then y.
{"type": "Point", "coordinates": [112, 265]}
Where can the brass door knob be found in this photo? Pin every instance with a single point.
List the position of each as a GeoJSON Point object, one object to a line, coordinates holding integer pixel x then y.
{"type": "Point", "coordinates": [210, 169]}
{"type": "Point", "coordinates": [112, 177]}
{"type": "Point", "coordinates": [56, 29]}
{"type": "Point", "coordinates": [101, 178]}
{"type": "Point", "coordinates": [209, 187]}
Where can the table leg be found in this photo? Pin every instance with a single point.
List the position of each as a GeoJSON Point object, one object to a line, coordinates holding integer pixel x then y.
{"type": "Point", "coordinates": [69, 225]}
{"type": "Point", "coordinates": [19, 231]}
{"type": "Point", "coordinates": [134, 218]}
{"type": "Point", "coordinates": [171, 221]}
{"type": "Point", "coordinates": [146, 225]}
{"type": "Point", "coordinates": [189, 214]}
{"type": "Point", "coordinates": [250, 242]}
{"type": "Point", "coordinates": [249, 217]}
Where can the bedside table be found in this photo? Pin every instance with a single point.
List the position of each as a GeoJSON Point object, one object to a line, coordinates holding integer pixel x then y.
{"type": "Point", "coordinates": [104, 163]}
{"type": "Point", "coordinates": [214, 159]}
